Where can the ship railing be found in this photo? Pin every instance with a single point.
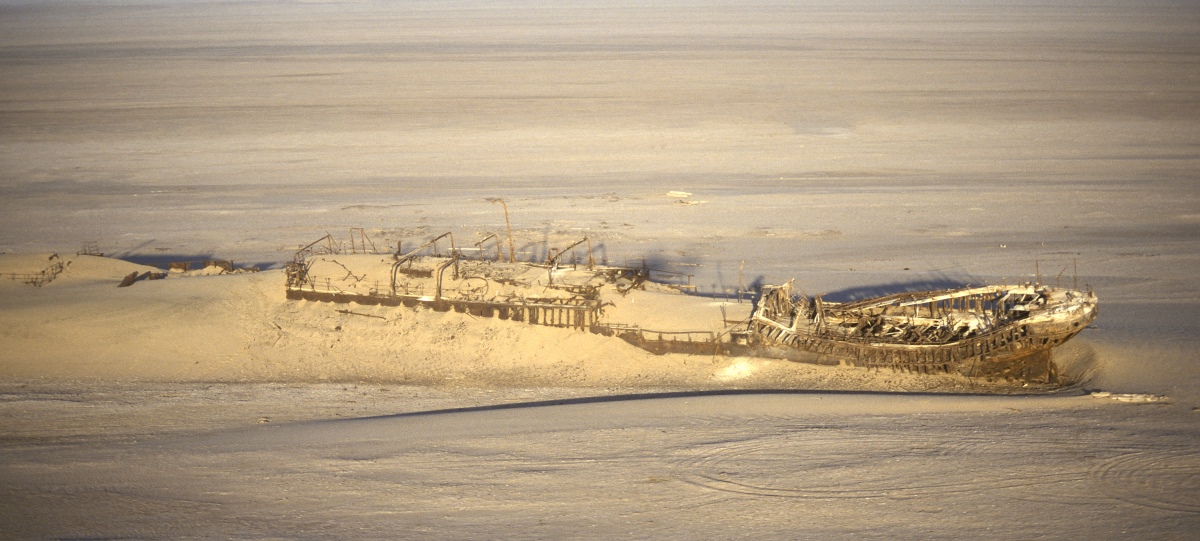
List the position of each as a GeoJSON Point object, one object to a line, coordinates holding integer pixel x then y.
{"type": "Point", "coordinates": [405, 292]}
{"type": "Point", "coordinates": [37, 279]}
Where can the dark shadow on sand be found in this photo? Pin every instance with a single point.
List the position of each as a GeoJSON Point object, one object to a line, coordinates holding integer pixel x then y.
{"type": "Point", "coordinates": [164, 261]}
{"type": "Point", "coordinates": [1066, 391]}
{"type": "Point", "coordinates": [891, 288]}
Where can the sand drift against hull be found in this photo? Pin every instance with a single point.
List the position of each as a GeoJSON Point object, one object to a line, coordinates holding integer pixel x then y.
{"type": "Point", "coordinates": [995, 332]}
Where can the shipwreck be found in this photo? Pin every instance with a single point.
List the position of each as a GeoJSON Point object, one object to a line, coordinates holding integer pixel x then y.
{"type": "Point", "coordinates": [990, 331]}
{"type": "Point", "coordinates": [994, 332]}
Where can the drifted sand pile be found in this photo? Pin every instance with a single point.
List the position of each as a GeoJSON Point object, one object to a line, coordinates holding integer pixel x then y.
{"type": "Point", "coordinates": [241, 328]}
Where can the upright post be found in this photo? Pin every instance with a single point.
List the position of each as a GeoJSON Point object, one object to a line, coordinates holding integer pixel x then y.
{"type": "Point", "coordinates": [508, 227]}
{"type": "Point", "coordinates": [741, 281]}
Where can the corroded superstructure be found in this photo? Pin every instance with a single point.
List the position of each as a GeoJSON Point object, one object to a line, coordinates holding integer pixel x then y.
{"type": "Point", "coordinates": [551, 293]}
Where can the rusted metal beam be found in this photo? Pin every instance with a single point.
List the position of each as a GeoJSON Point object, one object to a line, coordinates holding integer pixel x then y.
{"type": "Point", "coordinates": [508, 226]}
{"type": "Point", "coordinates": [485, 239]}
{"type": "Point", "coordinates": [441, 268]}
{"type": "Point", "coordinates": [401, 259]}
{"type": "Point", "coordinates": [553, 260]}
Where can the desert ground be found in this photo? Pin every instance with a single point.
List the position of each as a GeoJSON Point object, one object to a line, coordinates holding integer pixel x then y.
{"type": "Point", "coordinates": [858, 148]}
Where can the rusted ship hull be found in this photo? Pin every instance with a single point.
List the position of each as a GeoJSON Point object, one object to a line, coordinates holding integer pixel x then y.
{"type": "Point", "coordinates": [992, 331]}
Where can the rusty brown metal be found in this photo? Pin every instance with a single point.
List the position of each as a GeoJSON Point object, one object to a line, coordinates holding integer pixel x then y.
{"type": "Point", "coordinates": [552, 261]}
{"type": "Point", "coordinates": [508, 226]}
{"type": "Point", "coordinates": [129, 279]}
{"type": "Point", "coordinates": [90, 248]}
{"type": "Point", "coordinates": [479, 245]}
{"type": "Point", "coordinates": [359, 241]}
{"type": "Point", "coordinates": [996, 331]}
{"type": "Point", "coordinates": [38, 279]}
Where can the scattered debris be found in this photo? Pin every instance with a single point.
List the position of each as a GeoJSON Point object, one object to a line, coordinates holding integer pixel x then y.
{"type": "Point", "coordinates": [39, 279]}
{"type": "Point", "coordinates": [1138, 398]}
{"type": "Point", "coordinates": [129, 279]}
{"type": "Point", "coordinates": [90, 248]}
{"type": "Point", "coordinates": [348, 312]}
{"type": "Point", "coordinates": [223, 264]}
{"type": "Point", "coordinates": [207, 267]}
{"type": "Point", "coordinates": [682, 198]}
{"type": "Point", "coordinates": [147, 275]}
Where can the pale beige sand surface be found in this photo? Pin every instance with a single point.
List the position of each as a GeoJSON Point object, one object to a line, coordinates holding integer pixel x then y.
{"type": "Point", "coordinates": [856, 147]}
{"type": "Point", "coordinates": [222, 461]}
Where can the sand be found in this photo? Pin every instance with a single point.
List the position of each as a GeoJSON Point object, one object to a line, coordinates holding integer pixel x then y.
{"type": "Point", "coordinates": [859, 149]}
